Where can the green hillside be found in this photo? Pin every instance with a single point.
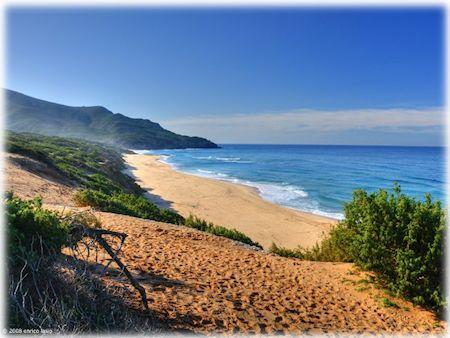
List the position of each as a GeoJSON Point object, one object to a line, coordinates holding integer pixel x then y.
{"type": "Point", "coordinates": [28, 114]}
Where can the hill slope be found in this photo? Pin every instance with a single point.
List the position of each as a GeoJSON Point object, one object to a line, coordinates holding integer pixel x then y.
{"type": "Point", "coordinates": [28, 114]}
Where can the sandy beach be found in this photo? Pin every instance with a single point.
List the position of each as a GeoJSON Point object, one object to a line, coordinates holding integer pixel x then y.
{"type": "Point", "coordinates": [227, 204]}
{"type": "Point", "coordinates": [200, 283]}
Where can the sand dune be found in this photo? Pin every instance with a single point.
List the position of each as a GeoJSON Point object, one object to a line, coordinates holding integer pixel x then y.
{"type": "Point", "coordinates": [231, 205]}
{"type": "Point", "coordinates": [204, 283]}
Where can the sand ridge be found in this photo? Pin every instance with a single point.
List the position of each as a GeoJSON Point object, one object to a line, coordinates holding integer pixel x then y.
{"type": "Point", "coordinates": [227, 204]}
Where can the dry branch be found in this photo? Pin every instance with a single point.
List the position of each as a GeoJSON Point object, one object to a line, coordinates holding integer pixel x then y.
{"type": "Point", "coordinates": [97, 235]}
{"type": "Point", "coordinates": [80, 230]}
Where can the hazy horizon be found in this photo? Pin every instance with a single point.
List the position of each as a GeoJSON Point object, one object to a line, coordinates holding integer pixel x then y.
{"type": "Point", "coordinates": [249, 76]}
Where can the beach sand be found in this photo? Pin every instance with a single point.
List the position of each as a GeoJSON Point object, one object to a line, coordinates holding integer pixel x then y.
{"type": "Point", "coordinates": [227, 204]}
{"type": "Point", "coordinates": [200, 283]}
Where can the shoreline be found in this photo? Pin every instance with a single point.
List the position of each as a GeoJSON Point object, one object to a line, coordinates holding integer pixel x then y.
{"type": "Point", "coordinates": [229, 204]}
{"type": "Point", "coordinates": [242, 184]}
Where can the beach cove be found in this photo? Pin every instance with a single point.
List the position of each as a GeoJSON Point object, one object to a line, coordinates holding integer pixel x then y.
{"type": "Point", "coordinates": [228, 204]}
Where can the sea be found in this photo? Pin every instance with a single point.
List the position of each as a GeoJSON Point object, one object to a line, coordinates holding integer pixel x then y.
{"type": "Point", "coordinates": [316, 178]}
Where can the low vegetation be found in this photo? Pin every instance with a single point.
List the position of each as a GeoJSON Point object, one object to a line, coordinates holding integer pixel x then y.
{"type": "Point", "coordinates": [49, 292]}
{"type": "Point", "coordinates": [202, 225]}
{"type": "Point", "coordinates": [99, 171]}
{"type": "Point", "coordinates": [126, 204]}
{"type": "Point", "coordinates": [86, 164]}
{"type": "Point", "coordinates": [396, 236]}
{"type": "Point", "coordinates": [27, 223]}
{"type": "Point", "coordinates": [138, 206]}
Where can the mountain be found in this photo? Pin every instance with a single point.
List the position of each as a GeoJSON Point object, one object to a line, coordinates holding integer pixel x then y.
{"type": "Point", "coordinates": [28, 114]}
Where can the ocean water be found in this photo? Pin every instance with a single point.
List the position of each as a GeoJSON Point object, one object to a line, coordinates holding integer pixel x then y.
{"type": "Point", "coordinates": [316, 178]}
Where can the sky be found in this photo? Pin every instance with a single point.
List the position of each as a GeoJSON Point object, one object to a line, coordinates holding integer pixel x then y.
{"type": "Point", "coordinates": [242, 75]}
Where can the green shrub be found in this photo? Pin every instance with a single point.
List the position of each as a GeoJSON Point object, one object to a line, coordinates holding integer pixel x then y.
{"type": "Point", "coordinates": [331, 249]}
{"type": "Point", "coordinates": [396, 236]}
{"type": "Point", "coordinates": [401, 239]}
{"type": "Point", "coordinates": [32, 228]}
{"type": "Point", "coordinates": [126, 204]}
{"type": "Point", "coordinates": [284, 252]}
{"type": "Point", "coordinates": [202, 225]}
{"type": "Point", "coordinates": [139, 206]}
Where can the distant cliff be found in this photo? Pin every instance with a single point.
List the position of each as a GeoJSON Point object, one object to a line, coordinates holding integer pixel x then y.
{"type": "Point", "coordinates": [28, 114]}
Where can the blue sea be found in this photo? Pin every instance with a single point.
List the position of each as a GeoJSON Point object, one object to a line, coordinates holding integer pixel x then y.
{"type": "Point", "coordinates": [316, 178]}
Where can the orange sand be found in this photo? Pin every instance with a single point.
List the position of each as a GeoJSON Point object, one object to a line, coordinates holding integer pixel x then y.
{"type": "Point", "coordinates": [205, 284]}
{"type": "Point", "coordinates": [227, 204]}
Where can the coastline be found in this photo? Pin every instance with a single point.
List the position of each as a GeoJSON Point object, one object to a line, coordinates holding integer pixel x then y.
{"type": "Point", "coordinates": [228, 204]}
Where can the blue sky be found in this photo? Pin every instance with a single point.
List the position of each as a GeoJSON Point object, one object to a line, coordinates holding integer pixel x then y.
{"type": "Point", "coordinates": [372, 76]}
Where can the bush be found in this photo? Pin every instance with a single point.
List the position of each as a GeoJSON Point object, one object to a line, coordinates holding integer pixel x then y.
{"type": "Point", "coordinates": [401, 239]}
{"type": "Point", "coordinates": [396, 236]}
{"type": "Point", "coordinates": [289, 253]}
{"type": "Point", "coordinates": [138, 206]}
{"type": "Point", "coordinates": [202, 225]}
{"type": "Point", "coordinates": [126, 204]}
{"type": "Point", "coordinates": [32, 228]}
{"type": "Point", "coordinates": [55, 292]}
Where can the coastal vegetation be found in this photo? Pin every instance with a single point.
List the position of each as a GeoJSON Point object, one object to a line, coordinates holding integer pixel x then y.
{"type": "Point", "coordinates": [27, 223]}
{"type": "Point", "coordinates": [399, 238]}
{"type": "Point", "coordinates": [98, 171]}
{"type": "Point", "coordinates": [126, 204]}
{"type": "Point", "coordinates": [138, 206]}
{"type": "Point", "coordinates": [85, 164]}
{"type": "Point", "coordinates": [50, 292]}
{"type": "Point", "coordinates": [202, 225]}
{"type": "Point", "coordinates": [396, 236]}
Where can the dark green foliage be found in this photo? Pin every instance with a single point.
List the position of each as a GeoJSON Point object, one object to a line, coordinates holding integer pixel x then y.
{"type": "Point", "coordinates": [396, 236]}
{"type": "Point", "coordinates": [401, 239]}
{"type": "Point", "coordinates": [331, 249]}
{"type": "Point", "coordinates": [138, 206]}
{"type": "Point", "coordinates": [28, 114]}
{"type": "Point", "coordinates": [87, 164]}
{"type": "Point", "coordinates": [202, 225]}
{"type": "Point", "coordinates": [126, 204]}
{"type": "Point", "coordinates": [284, 252]}
{"type": "Point", "coordinates": [33, 229]}
{"type": "Point", "coordinates": [51, 291]}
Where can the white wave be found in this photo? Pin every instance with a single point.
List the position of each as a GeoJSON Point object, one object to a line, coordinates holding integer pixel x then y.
{"type": "Point", "coordinates": [222, 159]}
{"type": "Point", "coordinates": [334, 215]}
{"type": "Point", "coordinates": [142, 151]}
{"type": "Point", "coordinates": [226, 159]}
{"type": "Point", "coordinates": [284, 194]}
{"type": "Point", "coordinates": [211, 174]}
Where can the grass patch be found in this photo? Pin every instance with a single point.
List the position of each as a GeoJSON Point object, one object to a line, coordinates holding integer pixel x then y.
{"type": "Point", "coordinates": [126, 204]}
{"type": "Point", "coordinates": [202, 225]}
{"type": "Point", "coordinates": [362, 288]}
{"type": "Point", "coordinates": [90, 165]}
{"type": "Point", "coordinates": [138, 206]}
{"type": "Point", "coordinates": [363, 281]}
{"type": "Point", "coordinates": [386, 302]}
{"type": "Point", "coordinates": [284, 252]}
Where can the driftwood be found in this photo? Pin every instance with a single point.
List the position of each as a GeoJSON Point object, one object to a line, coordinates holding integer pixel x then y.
{"type": "Point", "coordinates": [80, 230]}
